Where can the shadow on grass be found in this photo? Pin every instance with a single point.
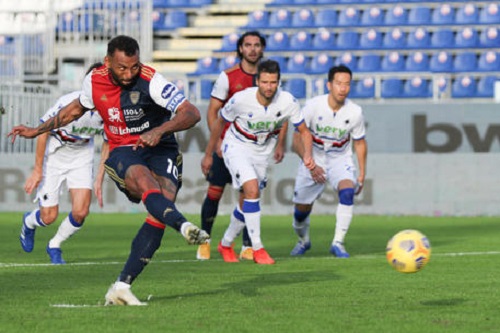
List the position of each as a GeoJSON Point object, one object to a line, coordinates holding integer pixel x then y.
{"type": "Point", "coordinates": [444, 302]}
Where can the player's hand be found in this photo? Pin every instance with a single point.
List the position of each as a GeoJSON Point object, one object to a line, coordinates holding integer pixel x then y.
{"type": "Point", "coordinates": [279, 154]}
{"type": "Point", "coordinates": [148, 139]}
{"type": "Point", "coordinates": [23, 131]}
{"type": "Point", "coordinates": [318, 174]}
{"type": "Point", "coordinates": [206, 164]}
{"type": "Point", "coordinates": [33, 181]}
{"type": "Point", "coordinates": [359, 186]}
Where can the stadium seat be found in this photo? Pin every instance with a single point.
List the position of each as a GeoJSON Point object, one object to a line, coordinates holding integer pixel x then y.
{"type": "Point", "coordinates": [159, 4]}
{"type": "Point", "coordinates": [397, 15]}
{"type": "Point", "coordinates": [371, 39]}
{"type": "Point", "coordinates": [417, 62]}
{"type": "Point", "coordinates": [158, 18]}
{"type": "Point", "coordinates": [489, 37]}
{"type": "Point", "coordinates": [489, 61]}
{"type": "Point", "coordinates": [199, 3]}
{"type": "Point", "coordinates": [281, 60]}
{"type": "Point", "coordinates": [297, 87]}
{"type": "Point", "coordinates": [364, 88]}
{"type": "Point", "coordinates": [393, 62]}
{"type": "Point", "coordinates": [282, 2]}
{"type": "Point", "coordinates": [463, 86]}
{"type": "Point", "coordinates": [174, 19]}
{"type": "Point", "coordinates": [444, 14]}
{"type": "Point", "coordinates": [419, 39]}
{"type": "Point", "coordinates": [301, 41]}
{"type": "Point", "coordinates": [394, 39]}
{"type": "Point", "coordinates": [227, 62]}
{"type": "Point", "coordinates": [278, 41]}
{"type": "Point", "coordinates": [392, 88]}
{"type": "Point", "coordinates": [176, 3]}
{"type": "Point", "coordinates": [443, 38]}
{"type": "Point", "coordinates": [347, 59]}
{"type": "Point", "coordinates": [304, 2]}
{"type": "Point", "coordinates": [490, 14]}
{"type": "Point", "coordinates": [465, 62]}
{"type": "Point", "coordinates": [323, 40]}
{"type": "Point", "coordinates": [441, 62]}
{"type": "Point", "coordinates": [347, 40]}
{"type": "Point", "coordinates": [467, 14]}
{"type": "Point", "coordinates": [303, 18]}
{"type": "Point", "coordinates": [319, 86]}
{"type": "Point", "coordinates": [207, 65]}
{"type": "Point", "coordinates": [369, 63]}
{"type": "Point", "coordinates": [258, 19]}
{"type": "Point", "coordinates": [297, 63]}
{"type": "Point", "coordinates": [229, 42]}
{"type": "Point", "coordinates": [348, 17]}
{"type": "Point", "coordinates": [280, 18]}
{"type": "Point", "coordinates": [206, 88]}
{"type": "Point", "coordinates": [326, 18]}
{"type": "Point", "coordinates": [486, 86]}
{"type": "Point", "coordinates": [320, 63]}
{"type": "Point", "coordinates": [372, 17]}
{"type": "Point", "coordinates": [420, 15]}
{"type": "Point", "coordinates": [416, 87]}
{"type": "Point", "coordinates": [467, 38]}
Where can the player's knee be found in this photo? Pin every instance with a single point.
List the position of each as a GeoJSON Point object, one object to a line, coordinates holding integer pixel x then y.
{"type": "Point", "coordinates": [79, 215]}
{"type": "Point", "coordinates": [48, 216]}
{"type": "Point", "coordinates": [346, 196]}
{"type": "Point", "coordinates": [300, 215]}
{"type": "Point", "coordinates": [214, 193]}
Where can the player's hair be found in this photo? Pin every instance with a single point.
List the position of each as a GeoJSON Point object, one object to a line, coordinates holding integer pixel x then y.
{"type": "Point", "coordinates": [268, 66]}
{"type": "Point", "coordinates": [93, 66]}
{"type": "Point", "coordinates": [338, 69]}
{"type": "Point", "coordinates": [242, 38]}
{"type": "Point", "coordinates": [123, 43]}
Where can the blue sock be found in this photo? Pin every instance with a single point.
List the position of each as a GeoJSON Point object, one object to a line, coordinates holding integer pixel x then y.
{"type": "Point", "coordinates": [163, 209]}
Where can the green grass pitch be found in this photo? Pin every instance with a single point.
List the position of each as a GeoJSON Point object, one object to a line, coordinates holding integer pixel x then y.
{"type": "Point", "coordinates": [458, 291]}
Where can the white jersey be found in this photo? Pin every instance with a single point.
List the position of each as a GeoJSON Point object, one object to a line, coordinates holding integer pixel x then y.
{"type": "Point", "coordinates": [220, 89]}
{"type": "Point", "coordinates": [77, 134]}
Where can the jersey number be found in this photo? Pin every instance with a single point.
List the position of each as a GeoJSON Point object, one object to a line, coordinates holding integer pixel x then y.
{"type": "Point", "coordinates": [172, 169]}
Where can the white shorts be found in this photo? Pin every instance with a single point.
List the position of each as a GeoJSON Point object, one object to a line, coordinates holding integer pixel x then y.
{"type": "Point", "coordinates": [75, 166]}
{"type": "Point", "coordinates": [307, 191]}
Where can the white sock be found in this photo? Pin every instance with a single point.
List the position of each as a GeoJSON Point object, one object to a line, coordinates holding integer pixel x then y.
{"type": "Point", "coordinates": [302, 229]}
{"type": "Point", "coordinates": [31, 220]}
{"type": "Point", "coordinates": [252, 220]}
{"type": "Point", "coordinates": [65, 231]}
{"type": "Point", "coordinates": [344, 218]}
{"type": "Point", "coordinates": [233, 230]}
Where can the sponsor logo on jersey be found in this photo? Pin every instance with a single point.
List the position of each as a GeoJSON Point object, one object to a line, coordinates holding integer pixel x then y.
{"type": "Point", "coordinates": [114, 115]}
{"type": "Point", "coordinates": [86, 130]}
{"type": "Point", "coordinates": [330, 129]}
{"type": "Point", "coordinates": [132, 130]}
{"type": "Point", "coordinates": [134, 96]}
{"type": "Point", "coordinates": [264, 125]}
{"type": "Point", "coordinates": [167, 91]}
{"type": "Point", "coordinates": [175, 101]}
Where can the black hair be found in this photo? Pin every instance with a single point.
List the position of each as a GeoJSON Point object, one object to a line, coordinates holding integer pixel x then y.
{"type": "Point", "coordinates": [123, 43]}
{"type": "Point", "coordinates": [242, 38]}
{"type": "Point", "coordinates": [338, 69]}
{"type": "Point", "coordinates": [93, 66]}
{"type": "Point", "coordinates": [268, 66]}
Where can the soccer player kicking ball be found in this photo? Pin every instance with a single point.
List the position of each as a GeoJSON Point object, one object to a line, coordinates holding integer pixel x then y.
{"type": "Point", "coordinates": [256, 116]}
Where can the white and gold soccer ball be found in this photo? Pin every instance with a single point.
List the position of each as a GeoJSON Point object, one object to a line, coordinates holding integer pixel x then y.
{"type": "Point", "coordinates": [408, 251]}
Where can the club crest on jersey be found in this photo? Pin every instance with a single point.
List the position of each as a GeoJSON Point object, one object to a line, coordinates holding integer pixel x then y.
{"type": "Point", "coordinates": [114, 115]}
{"type": "Point", "coordinates": [134, 96]}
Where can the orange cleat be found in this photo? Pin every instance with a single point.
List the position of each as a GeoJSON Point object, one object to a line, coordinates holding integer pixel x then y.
{"type": "Point", "coordinates": [227, 253]}
{"type": "Point", "coordinates": [262, 257]}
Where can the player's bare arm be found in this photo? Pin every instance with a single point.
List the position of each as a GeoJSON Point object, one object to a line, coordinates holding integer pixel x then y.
{"type": "Point", "coordinates": [361, 149]}
{"type": "Point", "coordinates": [215, 133]}
{"type": "Point", "coordinates": [302, 145]}
{"type": "Point", "coordinates": [213, 110]}
{"type": "Point", "coordinates": [99, 178]}
{"type": "Point", "coordinates": [37, 174]}
{"type": "Point", "coordinates": [279, 152]}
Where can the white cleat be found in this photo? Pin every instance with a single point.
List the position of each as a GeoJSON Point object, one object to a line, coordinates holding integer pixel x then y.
{"type": "Point", "coordinates": [193, 234]}
{"type": "Point", "coordinates": [118, 294]}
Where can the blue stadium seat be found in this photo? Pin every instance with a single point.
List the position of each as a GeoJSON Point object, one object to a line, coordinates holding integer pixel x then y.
{"type": "Point", "coordinates": [304, 2]}
{"type": "Point", "coordinates": [394, 39]}
{"type": "Point", "coordinates": [301, 41]}
{"type": "Point", "coordinates": [298, 63]}
{"type": "Point", "coordinates": [320, 63]}
{"type": "Point", "coordinates": [159, 4]}
{"type": "Point", "coordinates": [157, 18]}
{"type": "Point", "coordinates": [281, 18]}
{"type": "Point", "coordinates": [173, 19]}
{"type": "Point", "coordinates": [441, 62]}
{"type": "Point", "coordinates": [278, 41]}
{"type": "Point", "coordinates": [419, 39]}
{"type": "Point", "coordinates": [369, 62]}
{"type": "Point", "coordinates": [444, 14]}
{"type": "Point", "coordinates": [397, 15]}
{"type": "Point", "coordinates": [393, 62]}
{"type": "Point", "coordinates": [490, 37]}
{"type": "Point", "coordinates": [199, 3]}
{"type": "Point", "coordinates": [327, 1]}
{"type": "Point", "coordinates": [348, 17]}
{"type": "Point", "coordinates": [416, 87]}
{"type": "Point", "coordinates": [489, 61]}
{"type": "Point", "coordinates": [392, 88]}
{"type": "Point", "coordinates": [227, 62]}
{"type": "Point", "coordinates": [281, 60]}
{"type": "Point", "coordinates": [229, 42]}
{"type": "Point", "coordinates": [372, 17]}
{"type": "Point", "coordinates": [207, 65]}
{"type": "Point", "coordinates": [297, 87]}
{"type": "Point", "coordinates": [364, 88]}
{"type": "Point", "coordinates": [282, 2]}
{"type": "Point", "coordinates": [206, 88]}
{"type": "Point", "coordinates": [420, 15]}
{"type": "Point", "coordinates": [443, 38]}
{"type": "Point", "coordinates": [417, 62]}
{"type": "Point", "coordinates": [303, 18]}
{"type": "Point", "coordinates": [347, 40]}
{"type": "Point", "coordinates": [486, 86]}
{"type": "Point", "coordinates": [464, 86]}
{"type": "Point", "coordinates": [490, 14]}
{"type": "Point", "coordinates": [319, 86]}
{"type": "Point", "coordinates": [467, 38]}
{"type": "Point", "coordinates": [347, 59]}
{"type": "Point", "coordinates": [465, 62]}
{"type": "Point", "coordinates": [371, 39]}
{"type": "Point", "coordinates": [467, 14]}
{"type": "Point", "coordinates": [326, 18]}
{"type": "Point", "coordinates": [258, 19]}
{"type": "Point", "coordinates": [323, 40]}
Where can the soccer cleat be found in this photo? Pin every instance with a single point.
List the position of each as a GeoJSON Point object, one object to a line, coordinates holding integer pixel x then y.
{"type": "Point", "coordinates": [246, 253]}
{"type": "Point", "coordinates": [193, 234]}
{"type": "Point", "coordinates": [121, 296]}
{"type": "Point", "coordinates": [227, 253]}
{"type": "Point", "coordinates": [338, 250]}
{"type": "Point", "coordinates": [27, 236]}
{"type": "Point", "coordinates": [55, 255]}
{"type": "Point", "coordinates": [262, 257]}
{"type": "Point", "coordinates": [300, 249]}
{"type": "Point", "coordinates": [203, 252]}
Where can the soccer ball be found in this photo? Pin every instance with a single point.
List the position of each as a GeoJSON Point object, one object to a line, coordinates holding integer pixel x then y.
{"type": "Point", "coordinates": [408, 251]}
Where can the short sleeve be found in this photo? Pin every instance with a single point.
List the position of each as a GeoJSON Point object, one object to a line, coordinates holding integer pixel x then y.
{"type": "Point", "coordinates": [86, 96]}
{"type": "Point", "coordinates": [220, 90]}
{"type": "Point", "coordinates": [165, 93]}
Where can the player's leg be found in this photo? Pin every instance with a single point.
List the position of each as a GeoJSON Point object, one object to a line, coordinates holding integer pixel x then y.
{"type": "Point", "coordinates": [344, 217]}
{"type": "Point", "coordinates": [236, 225]}
{"type": "Point", "coordinates": [301, 224]}
{"type": "Point", "coordinates": [246, 252]}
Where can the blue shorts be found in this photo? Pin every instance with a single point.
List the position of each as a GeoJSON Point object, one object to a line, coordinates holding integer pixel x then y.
{"type": "Point", "coordinates": [163, 161]}
{"type": "Point", "coordinates": [219, 175]}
